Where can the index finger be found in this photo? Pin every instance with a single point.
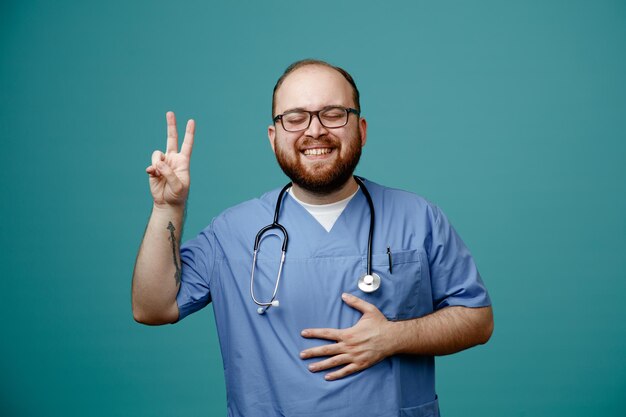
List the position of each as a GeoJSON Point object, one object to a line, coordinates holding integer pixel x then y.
{"type": "Point", "coordinates": [188, 141]}
{"type": "Point", "coordinates": [172, 134]}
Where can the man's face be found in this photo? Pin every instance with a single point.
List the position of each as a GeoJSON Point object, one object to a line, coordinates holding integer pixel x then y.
{"type": "Point", "coordinates": [318, 159]}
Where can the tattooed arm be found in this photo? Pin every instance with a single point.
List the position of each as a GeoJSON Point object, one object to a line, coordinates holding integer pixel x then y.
{"type": "Point", "coordinates": [156, 277]}
{"type": "Point", "coordinates": [157, 273]}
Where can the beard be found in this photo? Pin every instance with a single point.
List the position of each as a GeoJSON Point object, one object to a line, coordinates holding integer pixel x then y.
{"type": "Point", "coordinates": [321, 177]}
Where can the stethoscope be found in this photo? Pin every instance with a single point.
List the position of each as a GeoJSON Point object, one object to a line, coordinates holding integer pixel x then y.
{"type": "Point", "coordinates": [368, 283]}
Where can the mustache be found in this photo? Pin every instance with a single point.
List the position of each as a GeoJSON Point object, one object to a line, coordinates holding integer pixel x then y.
{"type": "Point", "coordinates": [322, 141]}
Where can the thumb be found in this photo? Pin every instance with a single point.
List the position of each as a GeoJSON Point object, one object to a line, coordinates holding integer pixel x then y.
{"type": "Point", "coordinates": [172, 180]}
{"type": "Point", "coordinates": [358, 304]}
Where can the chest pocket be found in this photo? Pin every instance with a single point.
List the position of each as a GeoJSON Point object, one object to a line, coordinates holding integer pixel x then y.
{"type": "Point", "coordinates": [397, 297]}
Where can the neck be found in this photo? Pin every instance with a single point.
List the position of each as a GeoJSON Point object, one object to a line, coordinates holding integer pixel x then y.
{"type": "Point", "coordinates": [341, 193]}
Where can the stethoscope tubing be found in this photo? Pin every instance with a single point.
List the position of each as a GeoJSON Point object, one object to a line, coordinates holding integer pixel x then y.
{"type": "Point", "coordinates": [263, 306]}
{"type": "Point", "coordinates": [370, 236]}
{"type": "Point", "coordinates": [257, 241]}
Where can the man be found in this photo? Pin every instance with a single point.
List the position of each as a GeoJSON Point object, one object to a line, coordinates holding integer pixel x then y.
{"type": "Point", "coordinates": [328, 348]}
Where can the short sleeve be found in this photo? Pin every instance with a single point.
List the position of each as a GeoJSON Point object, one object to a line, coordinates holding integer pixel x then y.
{"type": "Point", "coordinates": [454, 276]}
{"type": "Point", "coordinates": [198, 260]}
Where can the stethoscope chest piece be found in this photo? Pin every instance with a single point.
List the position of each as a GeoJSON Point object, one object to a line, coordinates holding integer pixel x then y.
{"type": "Point", "coordinates": [369, 282]}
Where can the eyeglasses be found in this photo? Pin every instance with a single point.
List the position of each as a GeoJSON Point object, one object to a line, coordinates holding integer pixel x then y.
{"type": "Point", "coordinates": [330, 117]}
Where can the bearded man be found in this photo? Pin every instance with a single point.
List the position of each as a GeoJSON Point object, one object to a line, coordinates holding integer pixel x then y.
{"type": "Point", "coordinates": [373, 282]}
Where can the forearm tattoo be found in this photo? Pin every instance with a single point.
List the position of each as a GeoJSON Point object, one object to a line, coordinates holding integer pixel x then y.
{"type": "Point", "coordinates": [177, 274]}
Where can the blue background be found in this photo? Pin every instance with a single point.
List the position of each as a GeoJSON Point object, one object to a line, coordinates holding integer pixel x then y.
{"type": "Point", "coordinates": [508, 115]}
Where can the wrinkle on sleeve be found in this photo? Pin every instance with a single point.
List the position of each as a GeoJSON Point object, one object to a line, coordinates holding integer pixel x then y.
{"type": "Point", "coordinates": [197, 258]}
{"type": "Point", "coordinates": [454, 275]}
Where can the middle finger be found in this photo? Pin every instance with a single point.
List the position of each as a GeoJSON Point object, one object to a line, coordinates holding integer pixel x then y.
{"type": "Point", "coordinates": [172, 134]}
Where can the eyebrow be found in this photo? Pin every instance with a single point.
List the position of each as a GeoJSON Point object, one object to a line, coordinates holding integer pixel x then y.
{"type": "Point", "coordinates": [323, 108]}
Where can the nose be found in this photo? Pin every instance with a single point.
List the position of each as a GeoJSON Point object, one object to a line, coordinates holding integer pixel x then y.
{"type": "Point", "coordinates": [315, 129]}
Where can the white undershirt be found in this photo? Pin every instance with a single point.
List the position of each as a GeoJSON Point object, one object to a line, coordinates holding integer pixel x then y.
{"type": "Point", "coordinates": [325, 214]}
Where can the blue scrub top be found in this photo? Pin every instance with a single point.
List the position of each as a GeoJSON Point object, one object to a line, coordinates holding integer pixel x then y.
{"type": "Point", "coordinates": [431, 269]}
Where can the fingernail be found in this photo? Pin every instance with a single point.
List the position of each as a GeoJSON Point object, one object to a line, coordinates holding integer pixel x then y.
{"type": "Point", "coordinates": [345, 296]}
{"type": "Point", "coordinates": [311, 368]}
{"type": "Point", "coordinates": [304, 333]}
{"type": "Point", "coordinates": [328, 377]}
{"type": "Point", "coordinates": [302, 355]}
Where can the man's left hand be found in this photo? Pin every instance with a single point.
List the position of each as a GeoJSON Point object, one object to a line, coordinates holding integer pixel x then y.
{"type": "Point", "coordinates": [358, 347]}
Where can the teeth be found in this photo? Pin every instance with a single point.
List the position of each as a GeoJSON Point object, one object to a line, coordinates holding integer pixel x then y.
{"type": "Point", "coordinates": [317, 151]}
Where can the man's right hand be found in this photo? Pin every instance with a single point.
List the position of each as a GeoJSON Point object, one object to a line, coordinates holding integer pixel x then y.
{"type": "Point", "coordinates": [158, 269]}
{"type": "Point", "coordinates": [169, 172]}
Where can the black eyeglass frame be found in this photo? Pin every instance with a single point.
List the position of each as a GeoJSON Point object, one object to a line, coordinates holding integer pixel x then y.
{"type": "Point", "coordinates": [316, 113]}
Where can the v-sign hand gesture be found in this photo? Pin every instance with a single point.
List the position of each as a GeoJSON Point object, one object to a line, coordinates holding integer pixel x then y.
{"type": "Point", "coordinates": [169, 172]}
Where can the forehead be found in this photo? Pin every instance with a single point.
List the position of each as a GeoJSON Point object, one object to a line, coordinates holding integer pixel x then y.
{"type": "Point", "coordinates": [312, 87]}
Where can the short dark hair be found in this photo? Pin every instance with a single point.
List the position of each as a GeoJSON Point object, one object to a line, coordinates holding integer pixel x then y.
{"type": "Point", "coordinates": [306, 62]}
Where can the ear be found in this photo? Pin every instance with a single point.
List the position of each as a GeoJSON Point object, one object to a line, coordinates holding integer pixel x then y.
{"type": "Point", "coordinates": [271, 135]}
{"type": "Point", "coordinates": [363, 129]}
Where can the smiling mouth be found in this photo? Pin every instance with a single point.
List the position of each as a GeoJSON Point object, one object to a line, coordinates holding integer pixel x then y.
{"type": "Point", "coordinates": [317, 151]}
